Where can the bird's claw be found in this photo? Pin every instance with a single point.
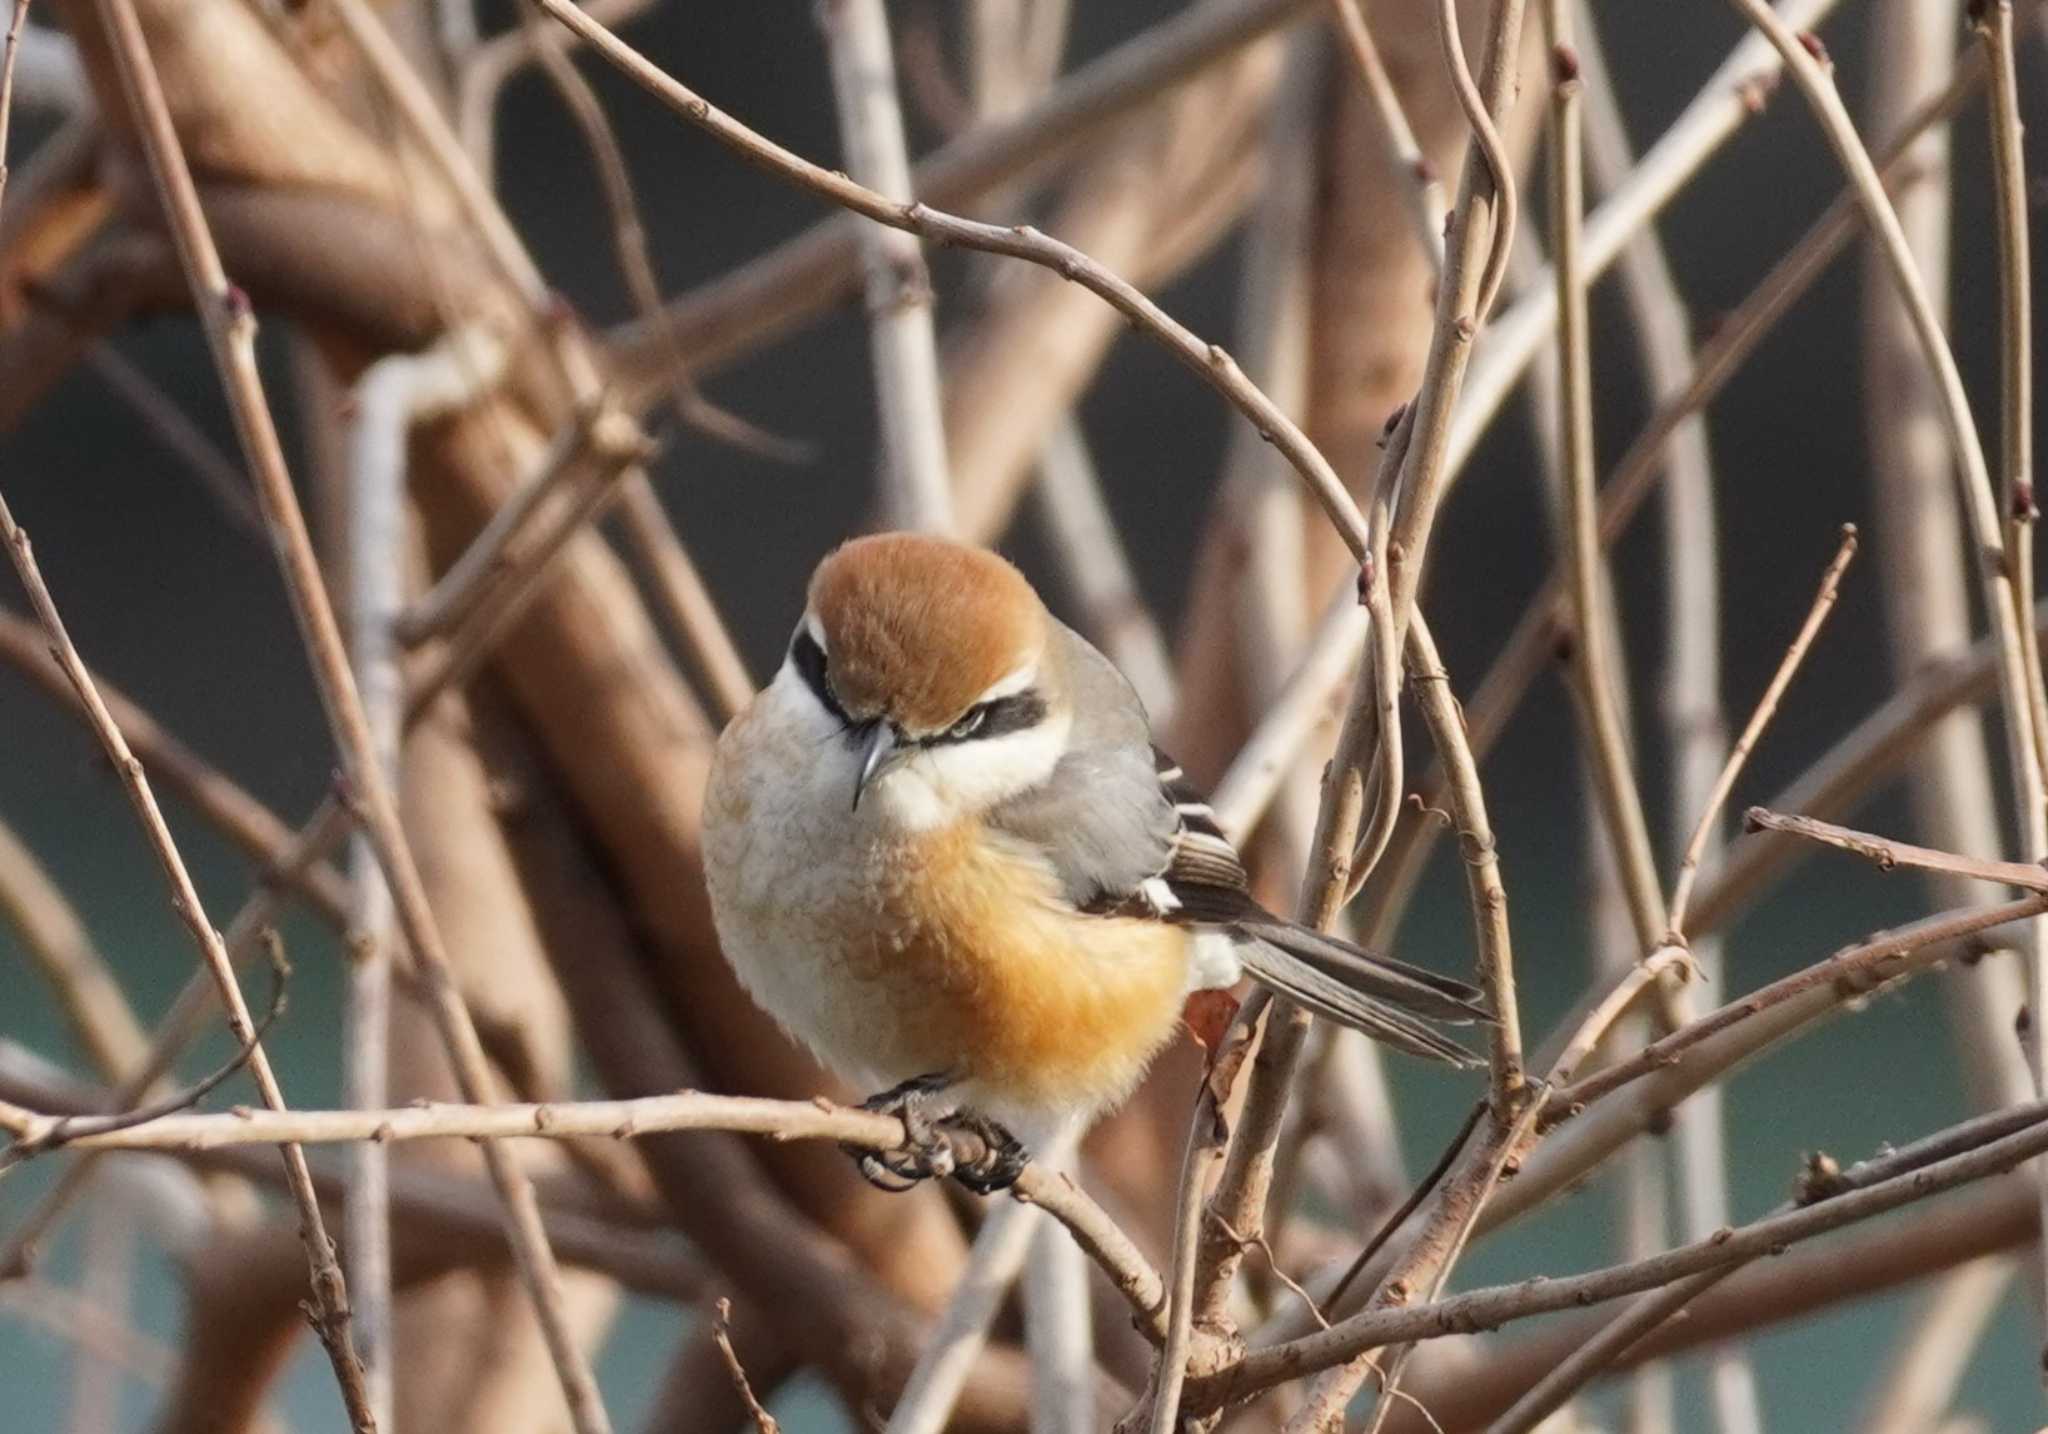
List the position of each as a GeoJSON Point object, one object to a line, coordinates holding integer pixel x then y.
{"type": "Point", "coordinates": [1002, 1159]}
{"type": "Point", "coordinates": [928, 1153]}
{"type": "Point", "coordinates": [925, 1152]}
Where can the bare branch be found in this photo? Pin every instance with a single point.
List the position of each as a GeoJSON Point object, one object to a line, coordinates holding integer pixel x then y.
{"type": "Point", "coordinates": [1208, 360]}
{"type": "Point", "coordinates": [1888, 854]}
{"type": "Point", "coordinates": [1766, 708]}
{"type": "Point", "coordinates": [764, 1422]}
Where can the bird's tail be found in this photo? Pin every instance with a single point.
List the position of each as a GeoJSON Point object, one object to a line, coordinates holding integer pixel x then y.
{"type": "Point", "coordinates": [1389, 1001]}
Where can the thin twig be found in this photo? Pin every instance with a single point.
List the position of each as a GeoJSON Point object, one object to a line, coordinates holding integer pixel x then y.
{"type": "Point", "coordinates": [1481, 109]}
{"type": "Point", "coordinates": [1925, 596]}
{"type": "Point", "coordinates": [1730, 99]}
{"type": "Point", "coordinates": [329, 1306]}
{"type": "Point", "coordinates": [1888, 854]}
{"type": "Point", "coordinates": [1427, 1262]}
{"type": "Point", "coordinates": [1209, 1139]}
{"type": "Point", "coordinates": [1247, 1180]}
{"type": "Point", "coordinates": [1210, 361]}
{"type": "Point", "coordinates": [1669, 1070]}
{"type": "Point", "coordinates": [1820, 1181]}
{"type": "Point", "coordinates": [487, 558]}
{"type": "Point", "coordinates": [181, 1024]}
{"type": "Point", "coordinates": [1594, 671]}
{"type": "Point", "coordinates": [1476, 243]}
{"type": "Point", "coordinates": [62, 1131]}
{"type": "Point", "coordinates": [490, 64]}
{"type": "Point", "coordinates": [721, 1331]}
{"type": "Point", "coordinates": [1690, 708]}
{"type": "Point", "coordinates": [230, 330]}
{"type": "Point", "coordinates": [629, 243]}
{"type": "Point", "coordinates": [1432, 687]}
{"type": "Point", "coordinates": [1527, 653]}
{"type": "Point", "coordinates": [1993, 20]}
{"type": "Point", "coordinates": [1766, 709]}
{"type": "Point", "coordinates": [1835, 979]}
{"type": "Point", "coordinates": [9, 52]}
{"type": "Point", "coordinates": [619, 1120]}
{"type": "Point", "coordinates": [2019, 687]}
{"type": "Point", "coordinates": [1960, 1155]}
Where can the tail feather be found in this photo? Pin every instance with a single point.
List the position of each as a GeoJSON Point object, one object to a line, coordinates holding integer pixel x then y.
{"type": "Point", "coordinates": [1301, 981]}
{"type": "Point", "coordinates": [1395, 982]}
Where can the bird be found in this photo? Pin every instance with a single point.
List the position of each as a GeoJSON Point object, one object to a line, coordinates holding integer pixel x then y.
{"type": "Point", "coordinates": [943, 852]}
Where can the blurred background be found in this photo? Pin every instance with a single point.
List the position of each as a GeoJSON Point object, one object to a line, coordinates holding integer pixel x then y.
{"type": "Point", "coordinates": [182, 608]}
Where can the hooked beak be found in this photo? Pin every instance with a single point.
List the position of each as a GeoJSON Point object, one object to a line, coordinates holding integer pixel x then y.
{"type": "Point", "coordinates": [880, 753]}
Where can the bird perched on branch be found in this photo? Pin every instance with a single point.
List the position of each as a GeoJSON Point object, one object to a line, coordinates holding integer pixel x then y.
{"type": "Point", "coordinates": [943, 852]}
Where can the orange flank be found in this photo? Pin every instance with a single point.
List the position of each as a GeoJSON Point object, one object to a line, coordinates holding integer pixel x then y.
{"type": "Point", "coordinates": [1015, 995]}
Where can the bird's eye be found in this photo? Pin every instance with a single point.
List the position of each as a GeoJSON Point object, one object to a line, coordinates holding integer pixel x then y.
{"type": "Point", "coordinates": [967, 726]}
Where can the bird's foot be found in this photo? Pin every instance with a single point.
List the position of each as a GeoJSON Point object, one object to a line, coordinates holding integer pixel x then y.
{"type": "Point", "coordinates": [925, 1152]}
{"type": "Point", "coordinates": [1002, 1159]}
{"type": "Point", "coordinates": [928, 1151]}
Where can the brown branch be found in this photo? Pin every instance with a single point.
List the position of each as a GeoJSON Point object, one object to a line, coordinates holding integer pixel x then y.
{"type": "Point", "coordinates": [2018, 689]}
{"type": "Point", "coordinates": [617, 1119]}
{"type": "Point", "coordinates": [1820, 1180]}
{"type": "Point", "coordinates": [1925, 597]}
{"type": "Point", "coordinates": [1595, 672]}
{"type": "Point", "coordinates": [1993, 21]}
{"type": "Point", "coordinates": [1476, 239]}
{"type": "Point", "coordinates": [1529, 649]}
{"type": "Point", "coordinates": [1965, 1153]}
{"type": "Point", "coordinates": [1996, 1216]}
{"type": "Point", "coordinates": [1446, 1228]}
{"type": "Point", "coordinates": [1888, 854]}
{"type": "Point", "coordinates": [764, 1422]}
{"type": "Point", "coordinates": [1836, 979]}
{"type": "Point", "coordinates": [453, 1216]}
{"type": "Point", "coordinates": [1766, 708]}
{"type": "Point", "coordinates": [1488, 897]}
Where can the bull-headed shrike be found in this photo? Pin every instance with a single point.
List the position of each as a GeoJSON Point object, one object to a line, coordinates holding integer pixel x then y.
{"type": "Point", "coordinates": [943, 852]}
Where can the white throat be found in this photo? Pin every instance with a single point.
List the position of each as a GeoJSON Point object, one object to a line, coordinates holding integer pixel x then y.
{"type": "Point", "coordinates": [930, 787]}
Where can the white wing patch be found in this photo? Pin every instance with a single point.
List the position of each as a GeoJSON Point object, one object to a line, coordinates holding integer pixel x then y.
{"type": "Point", "coordinates": [1159, 896]}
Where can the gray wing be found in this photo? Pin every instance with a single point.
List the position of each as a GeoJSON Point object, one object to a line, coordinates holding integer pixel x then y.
{"type": "Point", "coordinates": [1102, 822]}
{"type": "Point", "coordinates": [1125, 833]}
